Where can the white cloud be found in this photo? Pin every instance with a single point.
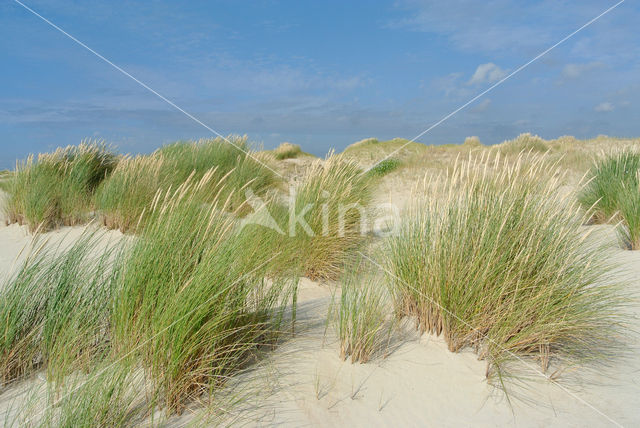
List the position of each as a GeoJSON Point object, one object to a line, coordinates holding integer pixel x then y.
{"type": "Point", "coordinates": [487, 73]}
{"type": "Point", "coordinates": [606, 106]}
{"type": "Point", "coordinates": [573, 71]}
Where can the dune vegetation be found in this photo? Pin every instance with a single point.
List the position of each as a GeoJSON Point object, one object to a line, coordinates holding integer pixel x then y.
{"type": "Point", "coordinates": [129, 191]}
{"type": "Point", "coordinates": [287, 151]}
{"type": "Point", "coordinates": [498, 263]}
{"type": "Point", "coordinates": [492, 254]}
{"type": "Point", "coordinates": [182, 299]}
{"type": "Point", "coordinates": [326, 220]}
{"type": "Point", "coordinates": [612, 194]}
{"type": "Point", "coordinates": [385, 166]}
{"type": "Point", "coordinates": [57, 188]}
{"type": "Point", "coordinates": [361, 314]}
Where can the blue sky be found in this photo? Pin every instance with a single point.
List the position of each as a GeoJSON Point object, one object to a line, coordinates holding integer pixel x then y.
{"type": "Point", "coordinates": [320, 74]}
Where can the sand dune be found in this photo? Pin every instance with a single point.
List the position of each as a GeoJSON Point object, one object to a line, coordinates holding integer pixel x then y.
{"type": "Point", "coordinates": [304, 383]}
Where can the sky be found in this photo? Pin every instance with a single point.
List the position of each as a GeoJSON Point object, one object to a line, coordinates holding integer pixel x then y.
{"type": "Point", "coordinates": [322, 74]}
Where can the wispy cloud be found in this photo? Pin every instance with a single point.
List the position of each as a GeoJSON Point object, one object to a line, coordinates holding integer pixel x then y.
{"type": "Point", "coordinates": [574, 71]}
{"type": "Point", "coordinates": [487, 73]}
{"type": "Point", "coordinates": [604, 107]}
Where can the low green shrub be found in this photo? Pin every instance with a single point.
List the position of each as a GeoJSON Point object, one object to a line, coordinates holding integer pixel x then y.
{"type": "Point", "coordinates": [384, 167]}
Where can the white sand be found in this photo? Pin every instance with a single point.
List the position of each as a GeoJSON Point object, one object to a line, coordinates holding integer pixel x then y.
{"type": "Point", "coordinates": [423, 384]}
{"type": "Point", "coordinates": [304, 383]}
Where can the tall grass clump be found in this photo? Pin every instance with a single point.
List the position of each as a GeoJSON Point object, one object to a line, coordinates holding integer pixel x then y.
{"type": "Point", "coordinates": [472, 142]}
{"type": "Point", "coordinates": [287, 151]}
{"type": "Point", "coordinates": [57, 188]}
{"type": "Point", "coordinates": [612, 193]}
{"type": "Point", "coordinates": [499, 263]}
{"type": "Point", "coordinates": [324, 220]}
{"type": "Point", "coordinates": [194, 304]}
{"type": "Point", "coordinates": [185, 303]}
{"type": "Point", "coordinates": [629, 227]}
{"type": "Point", "coordinates": [361, 314]}
{"type": "Point", "coordinates": [131, 188]}
{"type": "Point", "coordinates": [111, 394]}
{"type": "Point", "coordinates": [608, 180]}
{"type": "Point", "coordinates": [54, 311]}
{"type": "Point", "coordinates": [237, 160]}
{"type": "Point", "coordinates": [336, 195]}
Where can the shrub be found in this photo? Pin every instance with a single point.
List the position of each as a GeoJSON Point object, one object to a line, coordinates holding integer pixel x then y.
{"type": "Point", "coordinates": [384, 167]}
{"type": "Point", "coordinates": [57, 188]}
{"type": "Point", "coordinates": [287, 151]}
{"type": "Point", "coordinates": [500, 264]}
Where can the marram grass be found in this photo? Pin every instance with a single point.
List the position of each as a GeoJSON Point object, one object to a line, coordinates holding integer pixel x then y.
{"type": "Point", "coordinates": [324, 220]}
{"type": "Point", "coordinates": [57, 188]}
{"type": "Point", "coordinates": [184, 302]}
{"type": "Point", "coordinates": [612, 193]}
{"type": "Point", "coordinates": [131, 188]}
{"type": "Point", "coordinates": [362, 314]}
{"type": "Point", "coordinates": [287, 151]}
{"type": "Point", "coordinates": [500, 263]}
{"type": "Point", "coordinates": [194, 304]}
{"type": "Point", "coordinates": [54, 310]}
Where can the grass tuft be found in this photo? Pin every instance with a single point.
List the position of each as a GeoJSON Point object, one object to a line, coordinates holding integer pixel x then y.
{"type": "Point", "coordinates": [361, 316]}
{"type": "Point", "coordinates": [612, 193]}
{"type": "Point", "coordinates": [194, 303]}
{"type": "Point", "coordinates": [472, 142]}
{"type": "Point", "coordinates": [499, 263]}
{"type": "Point", "coordinates": [608, 180]}
{"type": "Point", "coordinates": [55, 309]}
{"type": "Point", "coordinates": [287, 151]}
{"type": "Point", "coordinates": [132, 186]}
{"type": "Point", "coordinates": [57, 188]}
